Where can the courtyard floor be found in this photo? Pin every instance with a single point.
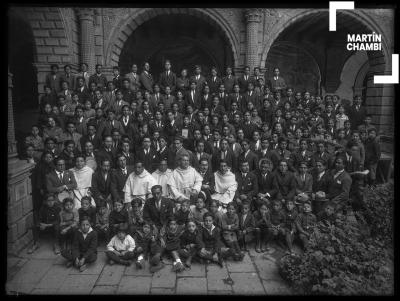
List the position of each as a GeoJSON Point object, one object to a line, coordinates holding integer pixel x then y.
{"type": "Point", "coordinates": [45, 273]}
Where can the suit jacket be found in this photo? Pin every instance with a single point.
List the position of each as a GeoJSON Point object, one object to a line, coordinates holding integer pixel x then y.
{"type": "Point", "coordinates": [223, 100]}
{"type": "Point", "coordinates": [298, 157]}
{"type": "Point", "coordinates": [146, 79]}
{"type": "Point", "coordinates": [248, 224]}
{"type": "Point", "coordinates": [243, 83]}
{"type": "Point", "coordinates": [253, 98]}
{"type": "Point", "coordinates": [339, 187]}
{"type": "Point", "coordinates": [199, 83]}
{"type": "Point", "coordinates": [357, 116]}
{"type": "Point", "coordinates": [71, 79]}
{"type": "Point", "coordinates": [229, 82]}
{"type": "Point", "coordinates": [285, 185]}
{"type": "Point", "coordinates": [109, 97]}
{"type": "Point", "coordinates": [321, 184]}
{"type": "Point", "coordinates": [134, 81]}
{"type": "Point", "coordinates": [54, 84]}
{"type": "Point", "coordinates": [53, 181]}
{"type": "Point", "coordinates": [130, 128]}
{"type": "Point", "coordinates": [277, 156]}
{"type": "Point", "coordinates": [278, 84]}
{"type": "Point", "coordinates": [303, 186]}
{"type": "Point", "coordinates": [167, 80]}
{"type": "Point", "coordinates": [100, 187]}
{"type": "Point", "coordinates": [240, 101]}
{"type": "Point", "coordinates": [266, 184]}
{"type": "Point", "coordinates": [105, 128]}
{"type": "Point", "coordinates": [149, 160]}
{"type": "Point", "coordinates": [204, 155]}
{"type": "Point", "coordinates": [230, 159]}
{"type": "Point", "coordinates": [194, 102]}
{"type": "Point", "coordinates": [83, 94]}
{"type": "Point", "coordinates": [248, 129]}
{"type": "Point", "coordinates": [87, 247]}
{"type": "Point", "coordinates": [166, 154]}
{"type": "Point", "coordinates": [100, 80]}
{"type": "Point", "coordinates": [102, 154]}
{"type": "Point", "coordinates": [86, 76]}
{"type": "Point", "coordinates": [159, 217]}
{"type": "Point", "coordinates": [247, 186]}
{"type": "Point", "coordinates": [117, 81]}
{"type": "Point", "coordinates": [118, 180]}
{"type": "Point", "coordinates": [214, 84]}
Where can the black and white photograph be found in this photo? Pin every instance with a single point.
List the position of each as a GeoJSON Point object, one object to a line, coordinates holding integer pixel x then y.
{"type": "Point", "coordinates": [201, 150]}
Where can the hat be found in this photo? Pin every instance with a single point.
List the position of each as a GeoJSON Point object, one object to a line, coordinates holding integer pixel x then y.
{"type": "Point", "coordinates": [301, 198]}
{"type": "Point", "coordinates": [320, 196]}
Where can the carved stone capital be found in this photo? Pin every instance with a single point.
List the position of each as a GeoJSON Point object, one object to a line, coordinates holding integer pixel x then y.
{"type": "Point", "coordinates": [85, 13]}
{"type": "Point", "coordinates": [253, 15]}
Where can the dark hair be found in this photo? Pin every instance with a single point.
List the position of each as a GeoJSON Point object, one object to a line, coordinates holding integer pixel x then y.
{"type": "Point", "coordinates": [206, 215]}
{"type": "Point", "coordinates": [67, 200]}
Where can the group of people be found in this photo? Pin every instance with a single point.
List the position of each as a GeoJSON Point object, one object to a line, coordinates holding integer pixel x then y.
{"type": "Point", "coordinates": [191, 167]}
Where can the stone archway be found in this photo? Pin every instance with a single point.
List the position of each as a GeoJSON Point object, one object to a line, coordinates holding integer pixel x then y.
{"type": "Point", "coordinates": [185, 40]}
{"type": "Point", "coordinates": [126, 27]}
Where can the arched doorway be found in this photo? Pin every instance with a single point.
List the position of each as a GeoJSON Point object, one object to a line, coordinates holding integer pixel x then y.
{"type": "Point", "coordinates": [297, 66]}
{"type": "Point", "coordinates": [185, 40]}
{"type": "Point", "coordinates": [21, 52]}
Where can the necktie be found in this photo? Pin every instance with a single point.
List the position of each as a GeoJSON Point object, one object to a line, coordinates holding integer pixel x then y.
{"type": "Point", "coordinates": [124, 172]}
{"type": "Point", "coordinates": [245, 78]}
{"type": "Point", "coordinates": [61, 177]}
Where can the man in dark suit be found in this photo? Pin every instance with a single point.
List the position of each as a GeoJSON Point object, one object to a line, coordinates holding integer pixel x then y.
{"type": "Point", "coordinates": [339, 185]}
{"type": "Point", "coordinates": [165, 153]}
{"type": "Point", "coordinates": [223, 97]}
{"type": "Point", "coordinates": [68, 77]}
{"type": "Point", "coordinates": [106, 127]}
{"type": "Point", "coordinates": [208, 183]}
{"type": "Point", "coordinates": [244, 80]}
{"type": "Point", "coordinates": [158, 210]}
{"type": "Point", "coordinates": [248, 156]}
{"type": "Point", "coordinates": [98, 78]}
{"type": "Point", "coordinates": [91, 136]}
{"type": "Point", "coordinates": [247, 126]}
{"type": "Point", "coordinates": [357, 113]}
{"type": "Point", "coordinates": [127, 123]}
{"type": "Point", "coordinates": [192, 97]}
{"type": "Point", "coordinates": [147, 155]}
{"type": "Point", "coordinates": [106, 151]}
{"type": "Point", "coordinates": [281, 153]}
{"type": "Point", "coordinates": [214, 81]}
{"type": "Point", "coordinates": [229, 80]}
{"type": "Point", "coordinates": [146, 79]}
{"type": "Point", "coordinates": [251, 96]}
{"type": "Point", "coordinates": [235, 97]}
{"type": "Point", "coordinates": [302, 155]}
{"type": "Point", "coordinates": [277, 83]}
{"type": "Point", "coordinates": [101, 183]}
{"type": "Point", "coordinates": [200, 154]}
{"type": "Point", "coordinates": [266, 150]}
{"type": "Point", "coordinates": [117, 78]}
{"type": "Point", "coordinates": [53, 79]}
{"type": "Point", "coordinates": [81, 90]}
{"type": "Point", "coordinates": [247, 184]}
{"type": "Point", "coordinates": [167, 78]}
{"type": "Point", "coordinates": [284, 182]}
{"type": "Point", "coordinates": [226, 154]}
{"type": "Point", "coordinates": [60, 180]}
{"type": "Point", "coordinates": [321, 153]}
{"type": "Point", "coordinates": [197, 136]}
{"type": "Point", "coordinates": [199, 79]}
{"type": "Point", "coordinates": [118, 178]}
{"type": "Point", "coordinates": [134, 81]}
{"type": "Point", "coordinates": [265, 176]}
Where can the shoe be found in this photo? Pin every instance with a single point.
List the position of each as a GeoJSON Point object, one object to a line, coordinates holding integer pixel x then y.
{"type": "Point", "coordinates": [180, 267]}
{"type": "Point", "coordinates": [33, 248]}
{"type": "Point", "coordinates": [188, 262]}
{"type": "Point", "coordinates": [220, 262]}
{"type": "Point", "coordinates": [83, 267]}
{"type": "Point", "coordinates": [156, 268]}
{"type": "Point", "coordinates": [139, 264]}
{"type": "Point", "coordinates": [56, 249]}
{"type": "Point", "coordinates": [69, 264]}
{"type": "Point", "coordinates": [111, 262]}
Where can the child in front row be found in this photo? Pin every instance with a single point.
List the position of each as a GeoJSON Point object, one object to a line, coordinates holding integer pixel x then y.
{"type": "Point", "coordinates": [198, 211]}
{"type": "Point", "coordinates": [217, 214]}
{"type": "Point", "coordinates": [183, 214]}
{"type": "Point", "coordinates": [210, 238]}
{"type": "Point", "coordinates": [190, 243]}
{"type": "Point", "coordinates": [118, 218]}
{"type": "Point", "coordinates": [171, 238]}
{"type": "Point", "coordinates": [102, 217]}
{"type": "Point", "coordinates": [328, 214]}
{"type": "Point", "coordinates": [261, 219]}
{"type": "Point", "coordinates": [148, 246]}
{"type": "Point", "coordinates": [305, 223]}
{"type": "Point", "coordinates": [87, 209]}
{"type": "Point", "coordinates": [230, 224]}
{"type": "Point", "coordinates": [290, 224]}
{"type": "Point", "coordinates": [135, 215]}
{"type": "Point", "coordinates": [84, 247]}
{"type": "Point", "coordinates": [277, 221]}
{"type": "Point", "coordinates": [48, 218]}
{"type": "Point", "coordinates": [69, 219]}
{"type": "Point", "coordinates": [246, 225]}
{"type": "Point", "coordinates": [121, 248]}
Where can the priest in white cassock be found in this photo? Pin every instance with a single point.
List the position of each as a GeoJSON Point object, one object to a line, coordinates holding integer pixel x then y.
{"type": "Point", "coordinates": [185, 181]}
{"type": "Point", "coordinates": [225, 185]}
{"type": "Point", "coordinates": [138, 184]}
{"type": "Point", "coordinates": [162, 175]}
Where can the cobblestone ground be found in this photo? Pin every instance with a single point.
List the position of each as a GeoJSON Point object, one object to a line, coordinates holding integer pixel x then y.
{"type": "Point", "coordinates": [45, 273]}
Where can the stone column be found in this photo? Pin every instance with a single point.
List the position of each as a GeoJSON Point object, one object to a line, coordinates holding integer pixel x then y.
{"type": "Point", "coordinates": [86, 21]}
{"type": "Point", "coordinates": [19, 188]}
{"type": "Point", "coordinates": [253, 19]}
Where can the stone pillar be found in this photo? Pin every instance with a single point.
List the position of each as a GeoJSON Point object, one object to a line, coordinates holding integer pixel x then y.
{"type": "Point", "coordinates": [86, 21]}
{"type": "Point", "coordinates": [253, 19]}
{"type": "Point", "coordinates": [19, 188]}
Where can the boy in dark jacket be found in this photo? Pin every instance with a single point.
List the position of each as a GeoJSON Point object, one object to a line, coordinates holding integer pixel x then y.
{"type": "Point", "coordinates": [211, 241]}
{"type": "Point", "coordinates": [84, 247]}
{"type": "Point", "coordinates": [49, 217]}
{"type": "Point", "coordinates": [291, 215]}
{"type": "Point", "coordinates": [246, 225]}
{"type": "Point", "coordinates": [87, 210]}
{"type": "Point", "coordinates": [261, 220]}
{"type": "Point", "coordinates": [305, 223]}
{"type": "Point", "coordinates": [372, 155]}
{"type": "Point", "coordinates": [118, 218]}
{"type": "Point", "coordinates": [190, 242]}
{"type": "Point", "coordinates": [277, 221]}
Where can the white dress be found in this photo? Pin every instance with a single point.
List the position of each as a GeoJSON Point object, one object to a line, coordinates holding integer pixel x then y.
{"type": "Point", "coordinates": [83, 178]}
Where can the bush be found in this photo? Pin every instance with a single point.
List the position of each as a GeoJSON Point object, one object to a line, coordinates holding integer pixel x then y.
{"type": "Point", "coordinates": [341, 260]}
{"type": "Point", "coordinates": [379, 212]}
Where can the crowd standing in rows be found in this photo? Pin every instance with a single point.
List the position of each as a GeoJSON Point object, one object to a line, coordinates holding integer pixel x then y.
{"type": "Point", "coordinates": [191, 167]}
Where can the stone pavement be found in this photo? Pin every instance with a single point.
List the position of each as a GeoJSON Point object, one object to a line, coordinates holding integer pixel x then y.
{"type": "Point", "coordinates": [45, 273]}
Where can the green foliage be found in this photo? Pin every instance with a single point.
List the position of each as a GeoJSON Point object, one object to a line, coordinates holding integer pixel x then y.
{"type": "Point", "coordinates": [341, 260]}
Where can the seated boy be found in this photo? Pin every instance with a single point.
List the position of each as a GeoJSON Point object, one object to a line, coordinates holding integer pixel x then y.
{"type": "Point", "coordinates": [246, 225]}
{"type": "Point", "coordinates": [198, 211]}
{"type": "Point", "coordinates": [277, 221]}
{"type": "Point", "coordinates": [328, 214]}
{"type": "Point", "coordinates": [183, 213]}
{"type": "Point", "coordinates": [118, 218]}
{"type": "Point", "coordinates": [84, 247]}
{"type": "Point", "coordinates": [48, 218]}
{"type": "Point", "coordinates": [121, 248]}
{"type": "Point", "coordinates": [135, 216]}
{"type": "Point", "coordinates": [211, 242]}
{"type": "Point", "coordinates": [305, 223]}
{"type": "Point", "coordinates": [102, 220]}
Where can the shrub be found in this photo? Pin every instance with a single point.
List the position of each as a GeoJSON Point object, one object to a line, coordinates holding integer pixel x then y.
{"type": "Point", "coordinates": [340, 260]}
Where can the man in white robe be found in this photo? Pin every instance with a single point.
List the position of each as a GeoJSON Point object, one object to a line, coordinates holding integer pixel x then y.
{"type": "Point", "coordinates": [162, 175]}
{"type": "Point", "coordinates": [225, 185]}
